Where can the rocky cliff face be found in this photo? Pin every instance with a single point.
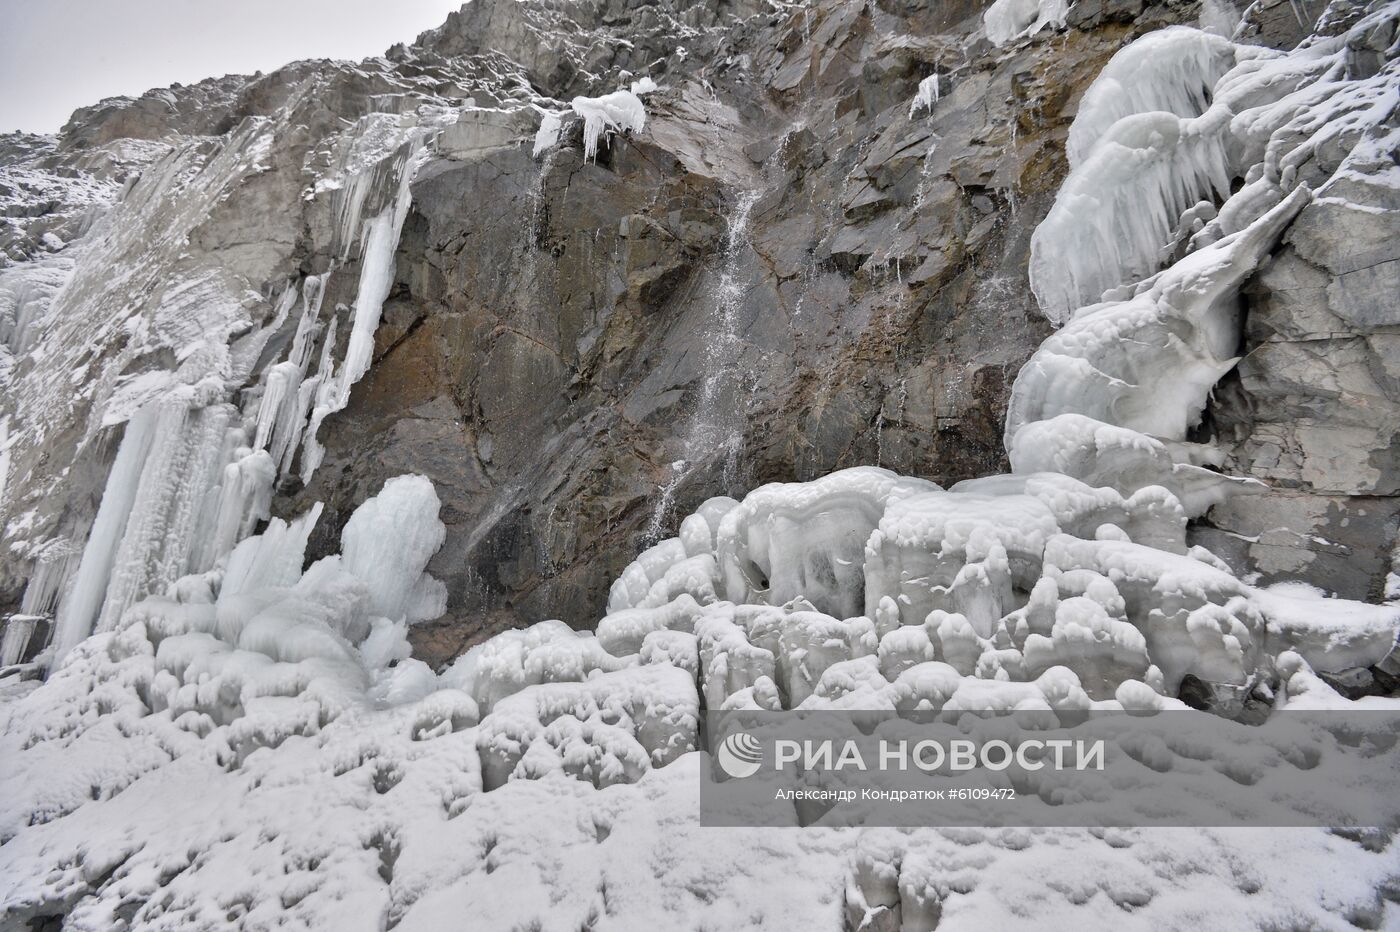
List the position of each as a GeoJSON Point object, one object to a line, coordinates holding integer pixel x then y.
{"type": "Point", "coordinates": [796, 266]}
{"type": "Point", "coordinates": [819, 235]}
{"type": "Point", "coordinates": [790, 271]}
{"type": "Point", "coordinates": [1311, 409]}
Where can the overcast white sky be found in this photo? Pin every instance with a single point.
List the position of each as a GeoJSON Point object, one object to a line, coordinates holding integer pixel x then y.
{"type": "Point", "coordinates": [58, 55]}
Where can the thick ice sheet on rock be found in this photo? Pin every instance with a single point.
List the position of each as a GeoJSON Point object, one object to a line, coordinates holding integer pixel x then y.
{"type": "Point", "coordinates": [1145, 364]}
{"type": "Point", "coordinates": [1172, 70]}
{"type": "Point", "coordinates": [1174, 120]}
{"type": "Point", "coordinates": [1006, 20]}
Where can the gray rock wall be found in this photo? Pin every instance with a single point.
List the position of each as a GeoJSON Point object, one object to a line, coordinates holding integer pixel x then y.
{"type": "Point", "coordinates": [1313, 407]}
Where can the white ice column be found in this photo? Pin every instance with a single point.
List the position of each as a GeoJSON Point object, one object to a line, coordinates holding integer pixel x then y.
{"type": "Point", "coordinates": [78, 610]}
{"type": "Point", "coordinates": [180, 466]}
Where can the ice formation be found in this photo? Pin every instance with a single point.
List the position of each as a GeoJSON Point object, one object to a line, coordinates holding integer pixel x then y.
{"type": "Point", "coordinates": [284, 758]}
{"type": "Point", "coordinates": [618, 112]}
{"type": "Point", "coordinates": [1172, 70]}
{"type": "Point", "coordinates": [927, 95]}
{"type": "Point", "coordinates": [1162, 135]}
{"type": "Point", "coordinates": [379, 236]}
{"type": "Point", "coordinates": [1007, 20]}
{"type": "Point", "coordinates": [229, 737]}
{"type": "Point", "coordinates": [548, 134]}
{"type": "Point", "coordinates": [1219, 17]}
{"type": "Point", "coordinates": [386, 539]}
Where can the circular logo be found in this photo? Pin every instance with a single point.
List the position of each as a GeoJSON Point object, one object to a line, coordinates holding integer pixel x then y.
{"type": "Point", "coordinates": [739, 755]}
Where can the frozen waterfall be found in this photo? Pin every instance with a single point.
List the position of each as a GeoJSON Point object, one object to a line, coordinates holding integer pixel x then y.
{"type": "Point", "coordinates": [233, 729]}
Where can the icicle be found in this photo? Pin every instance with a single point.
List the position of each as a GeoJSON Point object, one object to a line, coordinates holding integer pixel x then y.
{"type": "Point", "coordinates": [4, 459]}
{"type": "Point", "coordinates": [79, 609]}
{"type": "Point", "coordinates": [620, 111]}
{"type": "Point", "coordinates": [1115, 215]}
{"type": "Point", "coordinates": [156, 545]}
{"type": "Point", "coordinates": [244, 498]}
{"type": "Point", "coordinates": [927, 95]}
{"type": "Point", "coordinates": [280, 387]}
{"type": "Point", "coordinates": [286, 441]}
{"type": "Point", "coordinates": [381, 238]}
{"type": "Point", "coordinates": [313, 292]}
{"type": "Point", "coordinates": [272, 559]}
{"type": "Point", "coordinates": [51, 570]}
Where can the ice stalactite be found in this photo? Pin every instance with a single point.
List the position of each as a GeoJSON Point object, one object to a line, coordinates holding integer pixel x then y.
{"type": "Point", "coordinates": [287, 393]}
{"type": "Point", "coordinates": [1172, 70]}
{"type": "Point", "coordinates": [181, 465]}
{"type": "Point", "coordinates": [379, 239]}
{"type": "Point", "coordinates": [183, 489]}
{"type": "Point", "coordinates": [234, 507]}
{"type": "Point", "coordinates": [1122, 206]}
{"type": "Point", "coordinates": [618, 112]}
{"type": "Point", "coordinates": [280, 387]}
{"type": "Point", "coordinates": [4, 458]}
{"type": "Point", "coordinates": [189, 483]}
{"type": "Point", "coordinates": [80, 607]}
{"type": "Point", "coordinates": [927, 95]}
{"type": "Point", "coordinates": [52, 568]}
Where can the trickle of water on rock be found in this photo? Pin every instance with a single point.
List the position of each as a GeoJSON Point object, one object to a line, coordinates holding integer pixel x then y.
{"type": "Point", "coordinates": [716, 424]}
